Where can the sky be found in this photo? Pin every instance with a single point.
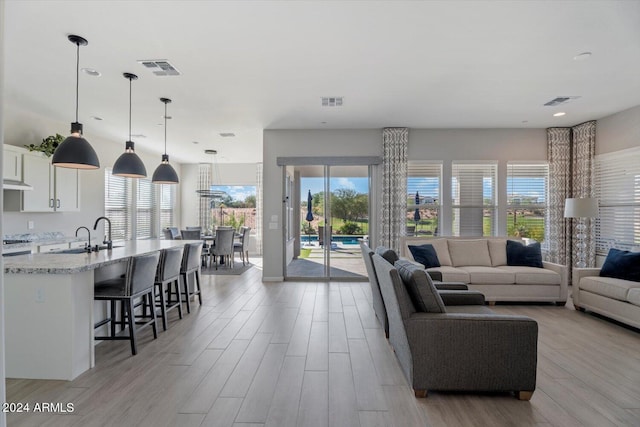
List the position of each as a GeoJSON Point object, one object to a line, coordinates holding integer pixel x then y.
{"type": "Point", "coordinates": [237, 192]}
{"type": "Point", "coordinates": [316, 185]}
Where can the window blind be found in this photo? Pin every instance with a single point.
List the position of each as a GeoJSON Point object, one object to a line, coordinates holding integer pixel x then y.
{"type": "Point", "coordinates": [144, 208]}
{"type": "Point", "coordinates": [425, 179]}
{"type": "Point", "coordinates": [167, 202]}
{"type": "Point", "coordinates": [116, 205]}
{"type": "Point", "coordinates": [473, 194]}
{"type": "Point", "coordinates": [527, 185]}
{"type": "Point", "coordinates": [617, 177]}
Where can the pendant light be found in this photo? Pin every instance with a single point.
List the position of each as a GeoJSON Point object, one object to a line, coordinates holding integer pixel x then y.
{"type": "Point", "coordinates": [129, 164]}
{"type": "Point", "coordinates": [75, 152]}
{"type": "Point", "coordinates": [164, 173]}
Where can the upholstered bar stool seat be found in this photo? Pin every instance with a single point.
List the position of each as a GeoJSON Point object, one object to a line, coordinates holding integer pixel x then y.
{"type": "Point", "coordinates": [191, 268]}
{"type": "Point", "coordinates": [138, 282]}
{"type": "Point", "coordinates": [169, 274]}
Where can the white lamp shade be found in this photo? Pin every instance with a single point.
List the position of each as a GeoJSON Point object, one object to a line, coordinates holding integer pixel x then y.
{"type": "Point", "coordinates": [581, 208]}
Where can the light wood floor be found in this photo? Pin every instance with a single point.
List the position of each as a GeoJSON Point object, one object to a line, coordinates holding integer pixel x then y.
{"type": "Point", "coordinates": [312, 354]}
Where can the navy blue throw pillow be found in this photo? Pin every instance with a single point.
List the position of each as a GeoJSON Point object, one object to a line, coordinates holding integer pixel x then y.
{"type": "Point", "coordinates": [425, 255]}
{"type": "Point", "coordinates": [524, 256]}
{"type": "Point", "coordinates": [622, 265]}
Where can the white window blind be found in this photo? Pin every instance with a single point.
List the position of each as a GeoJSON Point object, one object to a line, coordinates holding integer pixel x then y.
{"type": "Point", "coordinates": [618, 190]}
{"type": "Point", "coordinates": [473, 193]}
{"type": "Point", "coordinates": [527, 185]}
{"type": "Point", "coordinates": [117, 191]}
{"type": "Point", "coordinates": [167, 203]}
{"type": "Point", "coordinates": [144, 209]}
{"type": "Point", "coordinates": [425, 180]}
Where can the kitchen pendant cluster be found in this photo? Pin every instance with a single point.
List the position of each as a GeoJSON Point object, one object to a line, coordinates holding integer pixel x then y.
{"type": "Point", "coordinates": [75, 152]}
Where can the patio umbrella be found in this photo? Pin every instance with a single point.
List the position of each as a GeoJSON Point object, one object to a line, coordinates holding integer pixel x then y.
{"type": "Point", "coordinates": [416, 214]}
{"type": "Point", "coordinates": [309, 217]}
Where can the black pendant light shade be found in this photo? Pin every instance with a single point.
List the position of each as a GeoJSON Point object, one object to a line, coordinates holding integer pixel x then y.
{"type": "Point", "coordinates": [75, 152]}
{"type": "Point", "coordinates": [164, 173]}
{"type": "Point", "coordinates": [129, 164]}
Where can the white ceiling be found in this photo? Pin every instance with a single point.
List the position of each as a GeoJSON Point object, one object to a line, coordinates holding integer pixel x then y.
{"type": "Point", "coordinates": [248, 66]}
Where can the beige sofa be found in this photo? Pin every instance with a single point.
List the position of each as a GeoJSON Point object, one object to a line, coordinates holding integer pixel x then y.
{"type": "Point", "coordinates": [481, 263]}
{"type": "Point", "coordinates": [615, 298]}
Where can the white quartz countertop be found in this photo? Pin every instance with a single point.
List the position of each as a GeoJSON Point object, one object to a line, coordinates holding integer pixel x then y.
{"type": "Point", "coordinates": [57, 263]}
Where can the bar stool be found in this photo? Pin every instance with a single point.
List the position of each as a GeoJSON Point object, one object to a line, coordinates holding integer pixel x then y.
{"type": "Point", "coordinates": [169, 274]}
{"type": "Point", "coordinates": [191, 266]}
{"type": "Point", "coordinates": [137, 282]}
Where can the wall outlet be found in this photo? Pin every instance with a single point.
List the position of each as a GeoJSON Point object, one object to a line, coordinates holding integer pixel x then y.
{"type": "Point", "coordinates": [39, 295]}
{"type": "Point", "coordinates": [31, 225]}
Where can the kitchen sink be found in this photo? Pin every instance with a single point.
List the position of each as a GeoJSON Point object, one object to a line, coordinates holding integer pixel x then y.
{"type": "Point", "coordinates": [77, 250]}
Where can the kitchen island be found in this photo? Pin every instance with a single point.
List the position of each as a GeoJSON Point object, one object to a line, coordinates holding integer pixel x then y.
{"type": "Point", "coordinates": [49, 308]}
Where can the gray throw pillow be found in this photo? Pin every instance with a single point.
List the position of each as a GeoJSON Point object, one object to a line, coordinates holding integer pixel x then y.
{"type": "Point", "coordinates": [420, 288]}
{"type": "Point", "coordinates": [388, 254]}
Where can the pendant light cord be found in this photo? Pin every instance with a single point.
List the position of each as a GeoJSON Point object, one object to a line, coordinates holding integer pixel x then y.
{"type": "Point", "coordinates": [130, 109]}
{"type": "Point", "coordinates": [77, 76]}
{"type": "Point", "coordinates": [165, 128]}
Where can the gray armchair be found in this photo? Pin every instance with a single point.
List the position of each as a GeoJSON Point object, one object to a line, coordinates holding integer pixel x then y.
{"type": "Point", "coordinates": [456, 348]}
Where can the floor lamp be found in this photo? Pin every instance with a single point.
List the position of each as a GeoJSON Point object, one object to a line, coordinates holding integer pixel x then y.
{"type": "Point", "coordinates": [581, 208]}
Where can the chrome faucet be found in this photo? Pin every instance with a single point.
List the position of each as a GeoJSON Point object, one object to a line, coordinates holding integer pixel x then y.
{"type": "Point", "coordinates": [89, 233]}
{"type": "Point", "coordinates": [108, 241]}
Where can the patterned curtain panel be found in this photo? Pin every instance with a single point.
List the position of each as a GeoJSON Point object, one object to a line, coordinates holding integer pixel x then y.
{"type": "Point", "coordinates": [394, 186]}
{"type": "Point", "coordinates": [558, 232]}
{"type": "Point", "coordinates": [583, 172]}
{"type": "Point", "coordinates": [204, 203]}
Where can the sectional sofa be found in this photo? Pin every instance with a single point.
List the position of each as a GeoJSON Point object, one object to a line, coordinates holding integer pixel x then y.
{"type": "Point", "coordinates": [481, 263]}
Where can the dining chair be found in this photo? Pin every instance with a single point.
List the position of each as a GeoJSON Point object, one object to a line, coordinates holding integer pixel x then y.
{"type": "Point", "coordinates": [190, 234]}
{"type": "Point", "coordinates": [224, 245]}
{"type": "Point", "coordinates": [243, 245]}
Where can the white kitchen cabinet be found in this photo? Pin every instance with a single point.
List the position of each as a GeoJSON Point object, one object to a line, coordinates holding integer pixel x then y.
{"type": "Point", "coordinates": [54, 189]}
{"type": "Point", "coordinates": [12, 162]}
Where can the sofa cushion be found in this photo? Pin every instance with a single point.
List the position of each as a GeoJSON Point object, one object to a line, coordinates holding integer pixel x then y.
{"type": "Point", "coordinates": [498, 252]}
{"type": "Point", "coordinates": [425, 255]}
{"type": "Point", "coordinates": [469, 252]}
{"type": "Point", "coordinates": [388, 254]}
{"type": "Point", "coordinates": [489, 275]}
{"type": "Point", "coordinates": [442, 250]}
{"type": "Point", "coordinates": [451, 274]}
{"type": "Point", "coordinates": [528, 256]}
{"type": "Point", "coordinates": [622, 265]}
{"type": "Point", "coordinates": [420, 288]}
{"type": "Point", "coordinates": [608, 286]}
{"type": "Point", "coordinates": [634, 296]}
{"type": "Point", "coordinates": [533, 275]}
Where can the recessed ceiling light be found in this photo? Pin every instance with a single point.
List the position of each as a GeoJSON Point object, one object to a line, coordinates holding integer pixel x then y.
{"type": "Point", "coordinates": [195, 142]}
{"type": "Point", "coordinates": [138, 135]}
{"type": "Point", "coordinates": [582, 56]}
{"type": "Point", "coordinates": [525, 121]}
{"type": "Point", "coordinates": [323, 123]}
{"type": "Point", "coordinates": [559, 114]}
{"type": "Point", "coordinates": [91, 72]}
{"type": "Point", "coordinates": [96, 118]}
{"type": "Point", "coordinates": [209, 151]}
{"type": "Point", "coordinates": [227, 134]}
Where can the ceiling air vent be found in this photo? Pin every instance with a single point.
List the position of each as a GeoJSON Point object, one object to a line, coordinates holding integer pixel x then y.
{"type": "Point", "coordinates": [332, 101]}
{"type": "Point", "coordinates": [160, 67]}
{"type": "Point", "coordinates": [560, 100]}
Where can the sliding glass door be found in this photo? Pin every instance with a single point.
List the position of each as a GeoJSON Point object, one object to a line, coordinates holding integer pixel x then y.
{"type": "Point", "coordinates": [327, 213]}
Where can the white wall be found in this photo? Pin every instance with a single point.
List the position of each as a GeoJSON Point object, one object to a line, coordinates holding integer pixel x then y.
{"type": "Point", "coordinates": [23, 127]}
{"type": "Point", "coordinates": [618, 131]}
{"type": "Point", "coordinates": [3, 418]}
{"type": "Point", "coordinates": [289, 143]}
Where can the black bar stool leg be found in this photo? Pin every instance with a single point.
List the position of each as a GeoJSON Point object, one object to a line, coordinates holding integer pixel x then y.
{"type": "Point", "coordinates": [132, 326]}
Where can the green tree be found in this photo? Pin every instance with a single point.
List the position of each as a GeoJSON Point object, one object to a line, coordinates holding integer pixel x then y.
{"type": "Point", "coordinates": [250, 201]}
{"type": "Point", "coordinates": [348, 205]}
